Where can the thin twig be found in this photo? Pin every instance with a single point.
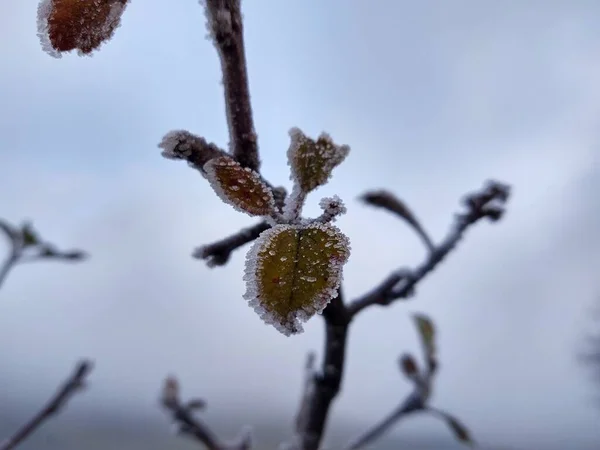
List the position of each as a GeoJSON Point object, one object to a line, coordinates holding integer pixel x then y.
{"type": "Point", "coordinates": [71, 386]}
{"type": "Point", "coordinates": [388, 201]}
{"type": "Point", "coordinates": [218, 253]}
{"type": "Point", "coordinates": [190, 425]}
{"type": "Point", "coordinates": [400, 284]}
{"type": "Point", "coordinates": [226, 29]}
{"type": "Point", "coordinates": [412, 404]}
{"type": "Point", "coordinates": [13, 254]}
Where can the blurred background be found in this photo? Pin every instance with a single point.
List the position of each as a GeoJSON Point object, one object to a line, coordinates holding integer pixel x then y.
{"type": "Point", "coordinates": [433, 97]}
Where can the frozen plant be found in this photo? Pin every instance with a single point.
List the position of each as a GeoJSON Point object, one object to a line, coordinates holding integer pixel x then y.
{"type": "Point", "coordinates": [295, 265]}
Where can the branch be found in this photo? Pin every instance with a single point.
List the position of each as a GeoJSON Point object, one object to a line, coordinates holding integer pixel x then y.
{"type": "Point", "coordinates": [184, 417]}
{"type": "Point", "coordinates": [26, 246]}
{"type": "Point", "coordinates": [412, 404]}
{"type": "Point", "coordinates": [388, 201]}
{"type": "Point", "coordinates": [218, 253]}
{"type": "Point", "coordinates": [74, 384]}
{"type": "Point", "coordinates": [326, 383]}
{"type": "Point", "coordinates": [13, 255]}
{"type": "Point", "coordinates": [226, 30]}
{"type": "Point", "coordinates": [488, 203]}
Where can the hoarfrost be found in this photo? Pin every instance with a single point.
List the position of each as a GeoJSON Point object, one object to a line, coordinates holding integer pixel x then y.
{"type": "Point", "coordinates": [84, 28]}
{"type": "Point", "coordinates": [255, 293]}
{"type": "Point", "coordinates": [223, 174]}
{"type": "Point", "coordinates": [312, 162]}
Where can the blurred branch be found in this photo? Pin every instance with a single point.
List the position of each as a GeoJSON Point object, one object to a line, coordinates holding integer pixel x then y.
{"type": "Point", "coordinates": [417, 400]}
{"type": "Point", "coordinates": [74, 384]}
{"type": "Point", "coordinates": [13, 255]}
{"type": "Point", "coordinates": [410, 405]}
{"type": "Point", "coordinates": [26, 246]}
{"type": "Point", "coordinates": [226, 30]}
{"type": "Point", "coordinates": [487, 203]}
{"type": "Point", "coordinates": [388, 201]}
{"type": "Point", "coordinates": [184, 416]}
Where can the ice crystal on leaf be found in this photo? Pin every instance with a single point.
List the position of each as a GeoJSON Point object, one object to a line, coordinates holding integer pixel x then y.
{"type": "Point", "coordinates": [312, 161]}
{"type": "Point", "coordinates": [82, 25]}
{"type": "Point", "coordinates": [293, 271]}
{"type": "Point", "coordinates": [239, 186]}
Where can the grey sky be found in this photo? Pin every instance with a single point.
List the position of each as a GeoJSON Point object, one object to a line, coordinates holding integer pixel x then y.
{"type": "Point", "coordinates": [433, 97]}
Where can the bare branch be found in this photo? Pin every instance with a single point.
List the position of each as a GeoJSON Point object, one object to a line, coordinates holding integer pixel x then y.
{"type": "Point", "coordinates": [13, 254]}
{"type": "Point", "coordinates": [388, 201]}
{"type": "Point", "coordinates": [26, 246]}
{"type": "Point", "coordinates": [226, 30]}
{"type": "Point", "coordinates": [489, 202]}
{"type": "Point", "coordinates": [75, 383]}
{"type": "Point", "coordinates": [413, 403]}
{"type": "Point", "coordinates": [188, 424]}
{"type": "Point", "coordinates": [218, 253]}
{"type": "Point", "coordinates": [460, 431]}
{"type": "Point", "coordinates": [326, 383]}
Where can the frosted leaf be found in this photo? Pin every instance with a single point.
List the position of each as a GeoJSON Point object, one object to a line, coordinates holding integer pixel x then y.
{"type": "Point", "coordinates": [313, 161]}
{"type": "Point", "coordinates": [82, 25]}
{"type": "Point", "coordinates": [287, 292]}
{"type": "Point", "coordinates": [224, 175]}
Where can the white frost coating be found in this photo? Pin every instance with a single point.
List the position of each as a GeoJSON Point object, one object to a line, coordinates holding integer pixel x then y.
{"type": "Point", "coordinates": [292, 324]}
{"type": "Point", "coordinates": [43, 15]}
{"type": "Point", "coordinates": [210, 168]}
{"type": "Point", "coordinates": [332, 208]}
{"type": "Point", "coordinates": [294, 202]}
{"type": "Point", "coordinates": [177, 144]}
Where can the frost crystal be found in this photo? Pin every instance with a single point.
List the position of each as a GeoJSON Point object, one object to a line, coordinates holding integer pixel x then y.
{"type": "Point", "coordinates": [332, 208]}
{"type": "Point", "coordinates": [65, 25]}
{"type": "Point", "coordinates": [240, 187]}
{"type": "Point", "coordinates": [312, 161]}
{"type": "Point", "coordinates": [293, 271]}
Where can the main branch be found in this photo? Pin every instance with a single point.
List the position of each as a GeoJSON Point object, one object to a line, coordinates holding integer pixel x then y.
{"type": "Point", "coordinates": [226, 29]}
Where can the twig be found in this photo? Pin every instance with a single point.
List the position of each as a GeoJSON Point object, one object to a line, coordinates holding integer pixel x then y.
{"type": "Point", "coordinates": [226, 30]}
{"type": "Point", "coordinates": [218, 253]}
{"type": "Point", "coordinates": [13, 254]}
{"type": "Point", "coordinates": [388, 201]}
{"type": "Point", "coordinates": [71, 386]}
{"type": "Point", "coordinates": [185, 418]}
{"type": "Point", "coordinates": [412, 404]}
{"type": "Point", "coordinates": [487, 203]}
{"type": "Point", "coordinates": [26, 246]}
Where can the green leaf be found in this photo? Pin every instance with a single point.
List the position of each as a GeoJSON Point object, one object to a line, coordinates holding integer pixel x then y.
{"type": "Point", "coordinates": [312, 161]}
{"type": "Point", "coordinates": [239, 186]}
{"type": "Point", "coordinates": [427, 332]}
{"type": "Point", "coordinates": [293, 271]}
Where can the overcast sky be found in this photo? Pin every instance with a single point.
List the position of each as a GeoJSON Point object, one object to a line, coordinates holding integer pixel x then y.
{"type": "Point", "coordinates": [433, 97]}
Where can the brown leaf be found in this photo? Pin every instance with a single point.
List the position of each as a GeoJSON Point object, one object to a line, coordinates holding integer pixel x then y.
{"type": "Point", "coordinates": [239, 186]}
{"type": "Point", "coordinates": [82, 25]}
